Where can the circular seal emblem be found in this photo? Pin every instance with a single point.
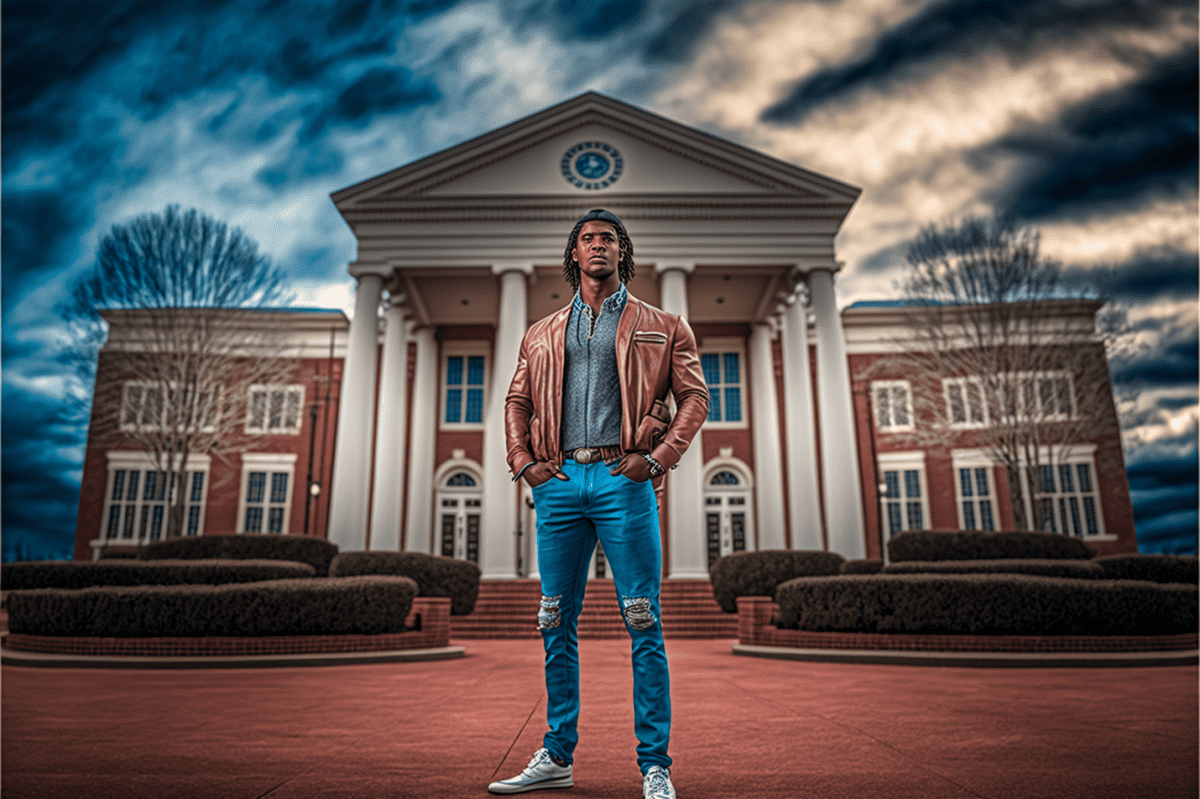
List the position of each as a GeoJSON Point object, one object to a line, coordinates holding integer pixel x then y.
{"type": "Point", "coordinates": [592, 165]}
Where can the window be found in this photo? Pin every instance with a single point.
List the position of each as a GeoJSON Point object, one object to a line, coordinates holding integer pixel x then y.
{"type": "Point", "coordinates": [726, 381]}
{"type": "Point", "coordinates": [893, 405]}
{"type": "Point", "coordinates": [144, 409]}
{"type": "Point", "coordinates": [1066, 500]}
{"type": "Point", "coordinates": [274, 409]}
{"type": "Point", "coordinates": [1047, 396]}
{"type": "Point", "coordinates": [140, 496]}
{"type": "Point", "coordinates": [902, 493]}
{"type": "Point", "coordinates": [964, 402]}
{"type": "Point", "coordinates": [975, 493]}
{"type": "Point", "coordinates": [463, 378]}
{"type": "Point", "coordinates": [266, 497]}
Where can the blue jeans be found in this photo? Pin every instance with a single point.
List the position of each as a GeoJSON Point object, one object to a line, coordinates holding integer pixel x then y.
{"type": "Point", "coordinates": [623, 515]}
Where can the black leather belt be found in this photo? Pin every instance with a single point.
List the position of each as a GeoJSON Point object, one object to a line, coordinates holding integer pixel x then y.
{"type": "Point", "coordinates": [586, 455]}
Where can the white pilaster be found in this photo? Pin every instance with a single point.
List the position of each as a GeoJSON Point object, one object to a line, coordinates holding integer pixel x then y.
{"type": "Point", "coordinates": [685, 483]}
{"type": "Point", "coordinates": [839, 449]}
{"type": "Point", "coordinates": [804, 505]}
{"type": "Point", "coordinates": [388, 491]}
{"type": "Point", "coordinates": [352, 457]}
{"type": "Point", "coordinates": [418, 522]}
{"type": "Point", "coordinates": [501, 503]}
{"type": "Point", "coordinates": [768, 467]}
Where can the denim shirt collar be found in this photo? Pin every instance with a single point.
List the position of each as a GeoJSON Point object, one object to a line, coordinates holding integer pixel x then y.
{"type": "Point", "coordinates": [615, 302]}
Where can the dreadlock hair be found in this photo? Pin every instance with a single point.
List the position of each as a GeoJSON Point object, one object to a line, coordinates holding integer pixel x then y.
{"type": "Point", "coordinates": [571, 266]}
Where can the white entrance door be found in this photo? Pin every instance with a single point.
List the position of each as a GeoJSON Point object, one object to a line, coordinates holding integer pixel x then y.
{"type": "Point", "coordinates": [726, 515]}
{"type": "Point", "coordinates": [459, 508]}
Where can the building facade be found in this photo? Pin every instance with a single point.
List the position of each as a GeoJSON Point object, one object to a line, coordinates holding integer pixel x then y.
{"type": "Point", "coordinates": [460, 251]}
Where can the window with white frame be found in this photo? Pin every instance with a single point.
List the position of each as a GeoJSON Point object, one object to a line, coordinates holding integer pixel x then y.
{"type": "Point", "coordinates": [965, 406]}
{"type": "Point", "coordinates": [975, 490]}
{"type": "Point", "coordinates": [145, 408]}
{"type": "Point", "coordinates": [140, 496]}
{"type": "Point", "coordinates": [1047, 396]}
{"type": "Point", "coordinates": [464, 375]}
{"type": "Point", "coordinates": [722, 362]}
{"type": "Point", "coordinates": [1066, 499]}
{"type": "Point", "coordinates": [266, 495]}
{"type": "Point", "coordinates": [893, 405]}
{"type": "Point", "coordinates": [274, 409]}
{"type": "Point", "coordinates": [903, 501]}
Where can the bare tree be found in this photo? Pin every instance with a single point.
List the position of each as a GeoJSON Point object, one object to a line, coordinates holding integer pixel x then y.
{"type": "Point", "coordinates": [996, 346]}
{"type": "Point", "coordinates": [183, 302]}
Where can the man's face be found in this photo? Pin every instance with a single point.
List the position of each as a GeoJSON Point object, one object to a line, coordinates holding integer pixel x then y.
{"type": "Point", "coordinates": [598, 250]}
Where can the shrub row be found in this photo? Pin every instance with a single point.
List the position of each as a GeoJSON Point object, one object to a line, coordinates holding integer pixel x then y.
{"type": "Point", "coordinates": [985, 604]}
{"type": "Point", "coordinates": [758, 573]}
{"type": "Point", "coordinates": [24, 575]}
{"type": "Point", "coordinates": [1077, 569]}
{"type": "Point", "coordinates": [329, 606]}
{"type": "Point", "coordinates": [1152, 568]}
{"type": "Point", "coordinates": [435, 575]}
{"type": "Point", "coordinates": [245, 546]}
{"type": "Point", "coordinates": [966, 545]}
{"type": "Point", "coordinates": [870, 566]}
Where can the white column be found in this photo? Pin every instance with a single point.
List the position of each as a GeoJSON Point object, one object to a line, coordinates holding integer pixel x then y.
{"type": "Point", "coordinates": [839, 447]}
{"type": "Point", "coordinates": [388, 492]}
{"type": "Point", "coordinates": [768, 466]}
{"type": "Point", "coordinates": [497, 539]}
{"type": "Point", "coordinates": [685, 489]}
{"type": "Point", "coordinates": [352, 457]}
{"type": "Point", "coordinates": [804, 503]}
{"type": "Point", "coordinates": [418, 521]}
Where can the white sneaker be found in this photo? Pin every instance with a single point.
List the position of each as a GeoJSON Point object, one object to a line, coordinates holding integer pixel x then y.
{"type": "Point", "coordinates": [657, 784]}
{"type": "Point", "coordinates": [542, 772]}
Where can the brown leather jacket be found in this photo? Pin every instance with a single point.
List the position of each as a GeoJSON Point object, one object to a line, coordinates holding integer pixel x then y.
{"type": "Point", "coordinates": [656, 354]}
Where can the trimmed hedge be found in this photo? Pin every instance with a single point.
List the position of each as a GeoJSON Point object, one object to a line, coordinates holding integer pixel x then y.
{"type": "Point", "coordinates": [870, 566]}
{"type": "Point", "coordinates": [1152, 568]}
{"type": "Point", "coordinates": [985, 604]}
{"type": "Point", "coordinates": [245, 546]}
{"type": "Point", "coordinates": [25, 575]}
{"type": "Point", "coordinates": [435, 575]}
{"type": "Point", "coordinates": [1076, 569]}
{"type": "Point", "coordinates": [969, 545]}
{"type": "Point", "coordinates": [758, 573]}
{"type": "Point", "coordinates": [317, 606]}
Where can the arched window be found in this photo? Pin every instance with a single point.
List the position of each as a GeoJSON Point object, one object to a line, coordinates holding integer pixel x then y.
{"type": "Point", "coordinates": [461, 480]}
{"type": "Point", "coordinates": [724, 479]}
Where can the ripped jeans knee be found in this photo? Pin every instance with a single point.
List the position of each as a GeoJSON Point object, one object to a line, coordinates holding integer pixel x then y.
{"type": "Point", "coordinates": [549, 616]}
{"type": "Point", "coordinates": [637, 612]}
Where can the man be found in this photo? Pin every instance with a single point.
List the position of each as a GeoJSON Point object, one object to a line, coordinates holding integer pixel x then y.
{"type": "Point", "coordinates": [588, 428]}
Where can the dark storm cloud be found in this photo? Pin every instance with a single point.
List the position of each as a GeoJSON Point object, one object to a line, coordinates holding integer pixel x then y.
{"type": "Point", "coordinates": [381, 90]}
{"type": "Point", "coordinates": [1159, 273]}
{"type": "Point", "coordinates": [1132, 144]}
{"type": "Point", "coordinates": [1172, 363]}
{"type": "Point", "coordinates": [677, 40]}
{"type": "Point", "coordinates": [31, 234]}
{"type": "Point", "coordinates": [1021, 29]}
{"type": "Point", "coordinates": [41, 493]}
{"type": "Point", "coordinates": [582, 20]}
{"type": "Point", "coordinates": [1163, 482]}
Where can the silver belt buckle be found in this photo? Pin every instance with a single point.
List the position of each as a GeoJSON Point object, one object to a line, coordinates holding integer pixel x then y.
{"type": "Point", "coordinates": [586, 456]}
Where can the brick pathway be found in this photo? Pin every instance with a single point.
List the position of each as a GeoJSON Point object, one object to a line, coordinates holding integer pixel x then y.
{"type": "Point", "coordinates": [744, 727]}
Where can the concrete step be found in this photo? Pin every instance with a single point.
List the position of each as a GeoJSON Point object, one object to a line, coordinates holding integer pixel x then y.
{"type": "Point", "coordinates": [508, 609]}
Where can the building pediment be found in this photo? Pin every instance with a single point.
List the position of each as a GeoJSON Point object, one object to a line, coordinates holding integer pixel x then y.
{"type": "Point", "coordinates": [586, 150]}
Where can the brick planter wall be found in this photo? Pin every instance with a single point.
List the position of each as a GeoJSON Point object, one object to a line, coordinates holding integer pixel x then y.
{"type": "Point", "coordinates": [756, 627]}
{"type": "Point", "coordinates": [433, 613]}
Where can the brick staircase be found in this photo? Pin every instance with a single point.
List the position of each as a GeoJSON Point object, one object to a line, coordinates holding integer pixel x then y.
{"type": "Point", "coordinates": [508, 609]}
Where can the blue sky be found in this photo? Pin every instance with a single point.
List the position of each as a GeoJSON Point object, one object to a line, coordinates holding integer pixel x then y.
{"type": "Point", "coordinates": [1078, 117]}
